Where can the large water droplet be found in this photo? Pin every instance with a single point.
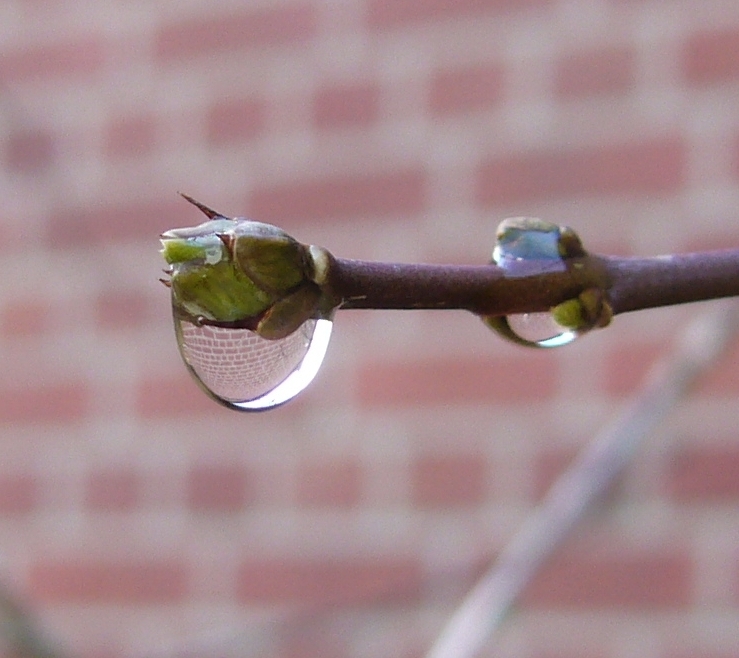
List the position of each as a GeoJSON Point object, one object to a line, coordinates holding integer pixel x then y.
{"type": "Point", "coordinates": [244, 371]}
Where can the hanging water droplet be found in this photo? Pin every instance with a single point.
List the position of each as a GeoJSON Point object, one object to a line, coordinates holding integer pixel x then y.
{"type": "Point", "coordinates": [539, 329]}
{"type": "Point", "coordinates": [244, 371]}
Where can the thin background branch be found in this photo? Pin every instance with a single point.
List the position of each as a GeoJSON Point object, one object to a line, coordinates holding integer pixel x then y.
{"type": "Point", "coordinates": [598, 464]}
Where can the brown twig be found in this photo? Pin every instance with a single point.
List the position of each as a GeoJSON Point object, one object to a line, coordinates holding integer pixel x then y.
{"type": "Point", "coordinates": [630, 283]}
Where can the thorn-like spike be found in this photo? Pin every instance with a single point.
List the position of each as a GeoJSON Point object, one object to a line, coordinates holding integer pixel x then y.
{"type": "Point", "coordinates": [166, 282]}
{"type": "Point", "coordinates": [228, 242]}
{"type": "Point", "coordinates": [209, 212]}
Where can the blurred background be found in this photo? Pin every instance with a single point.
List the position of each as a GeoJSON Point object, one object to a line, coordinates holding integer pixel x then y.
{"type": "Point", "coordinates": [139, 519]}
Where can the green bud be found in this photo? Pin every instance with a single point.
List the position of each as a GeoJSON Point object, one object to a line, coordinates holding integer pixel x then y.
{"type": "Point", "coordinates": [241, 273]}
{"type": "Point", "coordinates": [287, 314]}
{"type": "Point", "coordinates": [181, 251]}
{"type": "Point", "coordinates": [219, 292]}
{"type": "Point", "coordinates": [275, 262]}
{"type": "Point", "coordinates": [588, 310]}
{"type": "Point", "coordinates": [569, 315]}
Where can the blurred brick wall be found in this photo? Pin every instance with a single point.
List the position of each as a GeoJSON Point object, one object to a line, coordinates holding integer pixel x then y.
{"type": "Point", "coordinates": [139, 519]}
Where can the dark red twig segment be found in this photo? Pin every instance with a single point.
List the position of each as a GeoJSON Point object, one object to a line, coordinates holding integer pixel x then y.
{"type": "Point", "coordinates": [639, 283]}
{"type": "Point", "coordinates": [630, 283]}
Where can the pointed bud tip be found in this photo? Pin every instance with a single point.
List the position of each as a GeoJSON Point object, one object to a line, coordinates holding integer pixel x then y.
{"type": "Point", "coordinates": [208, 212]}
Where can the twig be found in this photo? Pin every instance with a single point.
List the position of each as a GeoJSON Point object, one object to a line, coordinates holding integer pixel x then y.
{"type": "Point", "coordinates": [484, 608]}
{"type": "Point", "coordinates": [638, 283]}
{"type": "Point", "coordinates": [631, 283]}
{"type": "Point", "coordinates": [21, 635]}
{"type": "Point", "coordinates": [239, 273]}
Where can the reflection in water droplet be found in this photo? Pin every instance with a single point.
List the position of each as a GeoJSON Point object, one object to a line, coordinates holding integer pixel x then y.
{"type": "Point", "coordinates": [244, 371]}
{"type": "Point", "coordinates": [540, 329]}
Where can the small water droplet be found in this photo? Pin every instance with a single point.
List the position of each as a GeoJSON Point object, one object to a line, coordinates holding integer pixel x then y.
{"type": "Point", "coordinates": [246, 372]}
{"type": "Point", "coordinates": [539, 329]}
{"type": "Point", "coordinates": [527, 247]}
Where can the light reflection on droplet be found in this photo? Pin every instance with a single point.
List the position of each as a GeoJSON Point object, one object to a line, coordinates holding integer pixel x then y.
{"type": "Point", "coordinates": [244, 371]}
{"type": "Point", "coordinates": [540, 329]}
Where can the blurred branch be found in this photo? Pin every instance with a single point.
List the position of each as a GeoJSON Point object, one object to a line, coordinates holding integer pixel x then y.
{"type": "Point", "coordinates": [485, 607]}
{"type": "Point", "coordinates": [21, 638]}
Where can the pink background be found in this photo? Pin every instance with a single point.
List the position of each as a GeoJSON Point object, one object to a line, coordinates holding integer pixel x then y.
{"type": "Point", "coordinates": [138, 519]}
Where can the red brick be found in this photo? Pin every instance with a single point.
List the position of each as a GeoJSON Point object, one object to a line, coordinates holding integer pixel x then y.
{"type": "Point", "coordinates": [64, 402]}
{"type": "Point", "coordinates": [11, 233]}
{"type": "Point", "coordinates": [331, 581]}
{"type": "Point", "coordinates": [235, 120]}
{"type": "Point", "coordinates": [130, 136]}
{"type": "Point", "coordinates": [334, 484]}
{"type": "Point", "coordinates": [97, 651]}
{"type": "Point", "coordinates": [129, 583]}
{"type": "Point", "coordinates": [653, 580]}
{"type": "Point", "coordinates": [174, 395]}
{"type": "Point", "coordinates": [722, 378]}
{"type": "Point", "coordinates": [342, 197]}
{"type": "Point", "coordinates": [466, 89]}
{"type": "Point", "coordinates": [28, 152]}
{"type": "Point", "coordinates": [705, 475]}
{"type": "Point", "coordinates": [133, 220]}
{"type": "Point", "coordinates": [24, 318]}
{"type": "Point", "coordinates": [449, 480]}
{"type": "Point", "coordinates": [712, 57]}
{"type": "Point", "coordinates": [495, 380]}
{"type": "Point", "coordinates": [583, 653]}
{"type": "Point", "coordinates": [311, 643]}
{"type": "Point", "coordinates": [112, 490]}
{"type": "Point", "coordinates": [78, 59]}
{"type": "Point", "coordinates": [395, 13]}
{"type": "Point", "coordinates": [702, 238]}
{"type": "Point", "coordinates": [290, 24]}
{"type": "Point", "coordinates": [18, 493]}
{"type": "Point", "coordinates": [609, 71]}
{"type": "Point", "coordinates": [715, 240]}
{"type": "Point", "coordinates": [643, 168]}
{"type": "Point", "coordinates": [350, 104]}
{"type": "Point", "coordinates": [217, 488]}
{"type": "Point", "coordinates": [627, 367]}
{"type": "Point", "coordinates": [697, 651]}
{"type": "Point", "coordinates": [122, 309]}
